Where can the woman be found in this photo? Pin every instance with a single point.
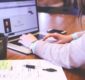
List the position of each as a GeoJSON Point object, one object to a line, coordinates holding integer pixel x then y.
{"type": "Point", "coordinates": [68, 51]}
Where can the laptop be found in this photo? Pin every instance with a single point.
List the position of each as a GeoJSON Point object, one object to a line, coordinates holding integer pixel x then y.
{"type": "Point", "coordinates": [18, 17]}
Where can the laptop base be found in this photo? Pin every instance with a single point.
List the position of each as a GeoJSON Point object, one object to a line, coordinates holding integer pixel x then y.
{"type": "Point", "coordinates": [20, 49]}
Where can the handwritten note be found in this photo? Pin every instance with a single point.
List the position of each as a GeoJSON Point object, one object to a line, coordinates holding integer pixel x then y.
{"type": "Point", "coordinates": [5, 65]}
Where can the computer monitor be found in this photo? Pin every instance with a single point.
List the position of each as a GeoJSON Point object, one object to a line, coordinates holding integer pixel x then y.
{"type": "Point", "coordinates": [18, 17]}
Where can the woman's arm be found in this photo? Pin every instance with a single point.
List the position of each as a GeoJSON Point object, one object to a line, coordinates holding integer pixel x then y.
{"type": "Point", "coordinates": [77, 34]}
{"type": "Point", "coordinates": [69, 55]}
{"type": "Point", "coordinates": [61, 39]}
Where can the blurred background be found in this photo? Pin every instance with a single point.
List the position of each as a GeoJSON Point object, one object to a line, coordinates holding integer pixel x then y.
{"type": "Point", "coordinates": [66, 6]}
{"type": "Point", "coordinates": [65, 14]}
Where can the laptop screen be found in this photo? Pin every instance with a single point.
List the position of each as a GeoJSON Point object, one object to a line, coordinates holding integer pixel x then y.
{"type": "Point", "coordinates": [18, 17]}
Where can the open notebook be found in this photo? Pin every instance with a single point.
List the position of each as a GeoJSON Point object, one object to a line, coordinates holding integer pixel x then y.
{"type": "Point", "coordinates": [18, 17]}
{"type": "Point", "coordinates": [34, 69]}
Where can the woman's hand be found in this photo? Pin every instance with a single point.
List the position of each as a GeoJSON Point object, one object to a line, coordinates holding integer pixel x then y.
{"type": "Point", "coordinates": [61, 39]}
{"type": "Point", "coordinates": [26, 40]}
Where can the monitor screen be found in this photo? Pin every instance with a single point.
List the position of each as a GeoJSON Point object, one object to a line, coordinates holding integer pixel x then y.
{"type": "Point", "coordinates": [18, 17]}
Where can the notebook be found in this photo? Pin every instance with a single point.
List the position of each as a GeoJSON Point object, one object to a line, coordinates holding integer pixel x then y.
{"type": "Point", "coordinates": [32, 69]}
{"type": "Point", "coordinates": [18, 17]}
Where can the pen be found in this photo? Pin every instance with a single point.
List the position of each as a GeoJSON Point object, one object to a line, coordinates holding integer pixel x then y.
{"type": "Point", "coordinates": [30, 66]}
{"type": "Point", "coordinates": [49, 69]}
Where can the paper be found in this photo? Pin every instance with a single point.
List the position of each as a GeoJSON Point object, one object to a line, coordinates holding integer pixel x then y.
{"type": "Point", "coordinates": [34, 69]}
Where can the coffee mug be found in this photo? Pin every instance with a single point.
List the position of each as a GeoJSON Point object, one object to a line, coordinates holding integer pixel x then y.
{"type": "Point", "coordinates": [3, 46]}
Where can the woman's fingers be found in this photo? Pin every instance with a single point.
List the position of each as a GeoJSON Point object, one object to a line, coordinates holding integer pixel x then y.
{"type": "Point", "coordinates": [47, 36]}
{"type": "Point", "coordinates": [54, 35]}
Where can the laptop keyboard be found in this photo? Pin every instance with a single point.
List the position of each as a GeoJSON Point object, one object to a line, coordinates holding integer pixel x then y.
{"type": "Point", "coordinates": [16, 42]}
{"type": "Point", "coordinates": [38, 36]}
{"type": "Point", "coordinates": [15, 45]}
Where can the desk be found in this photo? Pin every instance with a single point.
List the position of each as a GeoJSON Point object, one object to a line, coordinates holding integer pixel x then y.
{"type": "Point", "coordinates": [58, 21]}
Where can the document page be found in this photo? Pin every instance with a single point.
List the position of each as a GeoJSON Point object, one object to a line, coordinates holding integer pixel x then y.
{"type": "Point", "coordinates": [32, 69]}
